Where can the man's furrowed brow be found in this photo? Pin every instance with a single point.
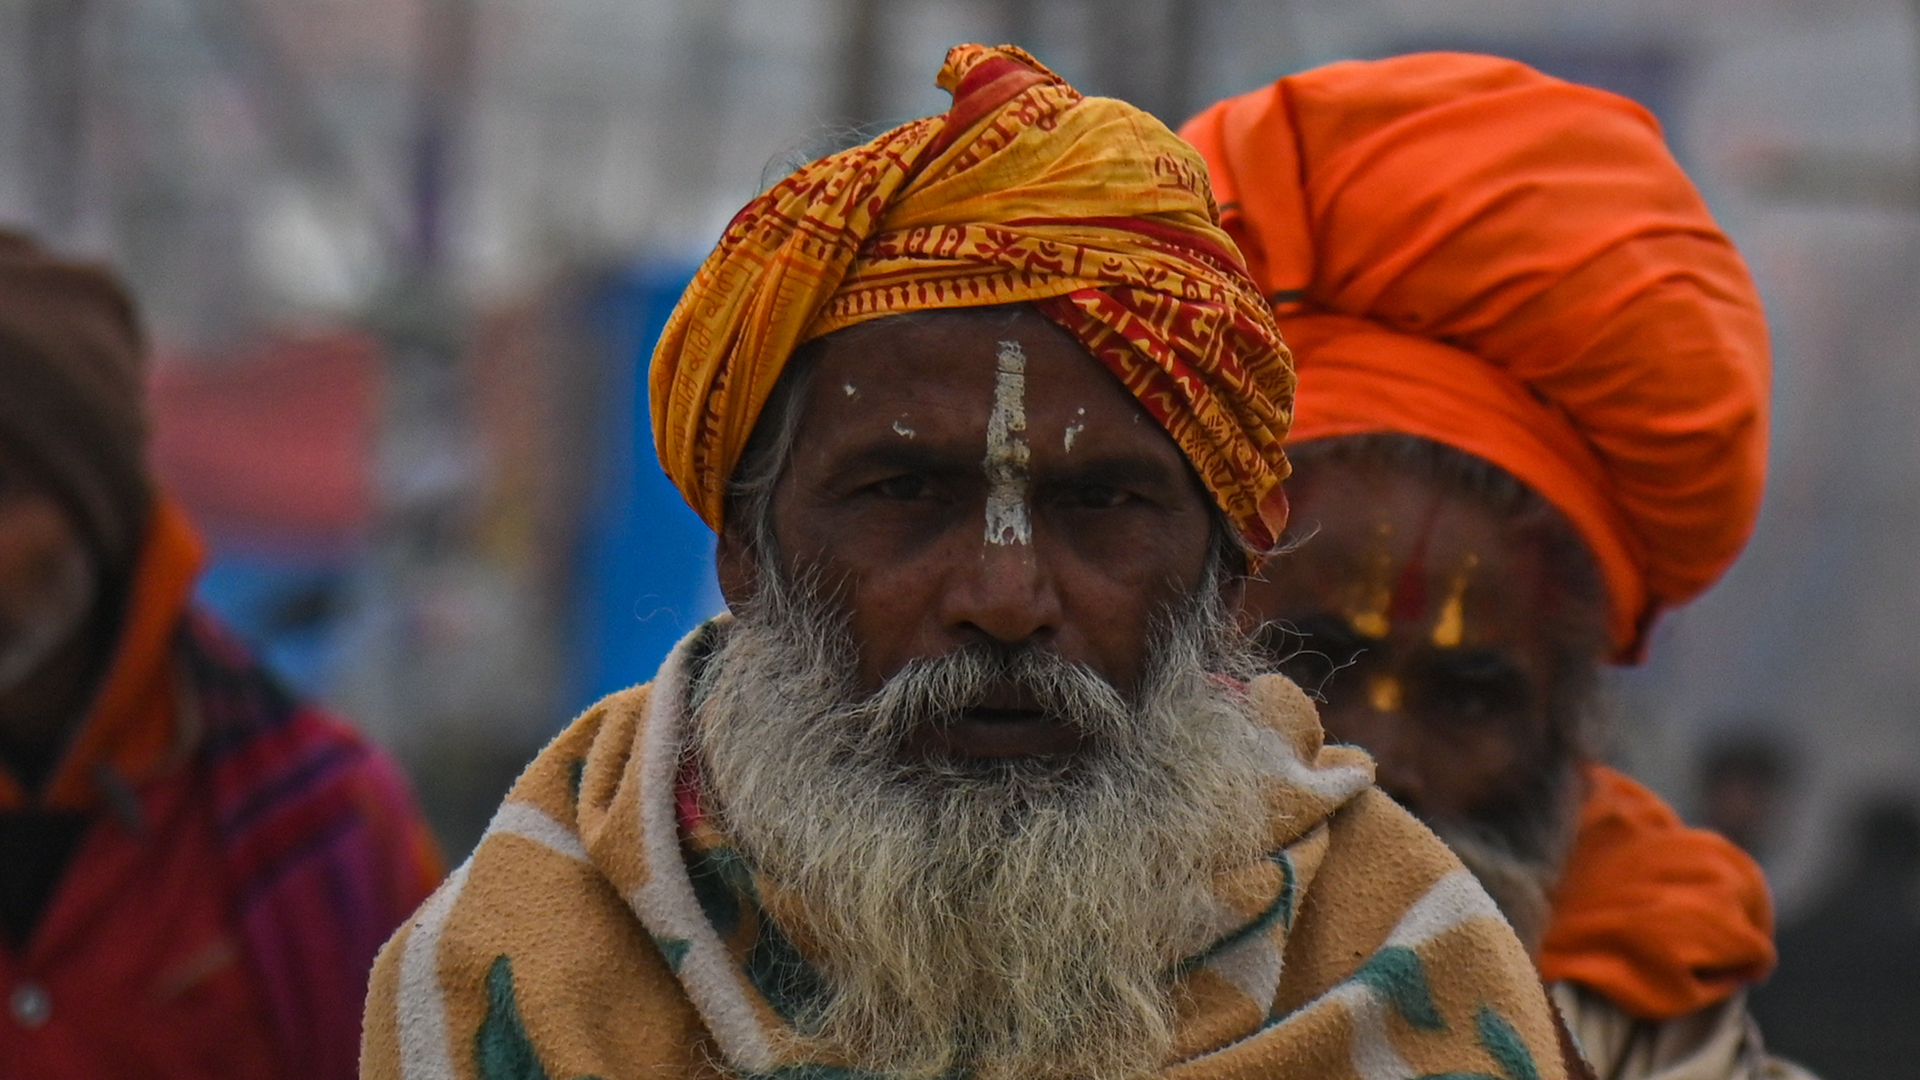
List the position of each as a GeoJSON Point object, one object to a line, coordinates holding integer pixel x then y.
{"type": "Point", "coordinates": [1117, 470]}
{"type": "Point", "coordinates": [903, 456]}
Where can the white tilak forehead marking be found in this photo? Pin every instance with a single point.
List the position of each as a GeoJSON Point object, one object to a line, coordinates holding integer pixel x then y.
{"type": "Point", "coordinates": [900, 428]}
{"type": "Point", "coordinates": [1006, 462]}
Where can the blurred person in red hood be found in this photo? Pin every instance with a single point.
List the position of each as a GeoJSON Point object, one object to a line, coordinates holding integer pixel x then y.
{"type": "Point", "coordinates": [195, 868]}
{"type": "Point", "coordinates": [1531, 416]}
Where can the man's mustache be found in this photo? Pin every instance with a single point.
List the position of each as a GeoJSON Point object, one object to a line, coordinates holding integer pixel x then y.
{"type": "Point", "coordinates": [992, 676]}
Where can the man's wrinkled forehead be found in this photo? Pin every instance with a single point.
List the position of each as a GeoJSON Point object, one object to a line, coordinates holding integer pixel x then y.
{"type": "Point", "coordinates": [972, 360]}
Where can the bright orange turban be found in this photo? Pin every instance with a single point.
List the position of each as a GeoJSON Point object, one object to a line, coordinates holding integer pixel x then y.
{"type": "Point", "coordinates": [1023, 192]}
{"type": "Point", "coordinates": [1461, 248]}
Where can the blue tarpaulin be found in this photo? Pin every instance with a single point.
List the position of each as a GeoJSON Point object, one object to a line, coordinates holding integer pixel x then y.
{"type": "Point", "coordinates": [645, 569]}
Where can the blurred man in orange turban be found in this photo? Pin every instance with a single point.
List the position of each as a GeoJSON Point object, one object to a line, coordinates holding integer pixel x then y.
{"type": "Point", "coordinates": [1531, 416]}
{"type": "Point", "coordinates": [976, 779]}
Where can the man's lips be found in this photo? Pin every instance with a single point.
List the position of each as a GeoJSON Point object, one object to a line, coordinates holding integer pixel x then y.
{"type": "Point", "coordinates": [997, 733]}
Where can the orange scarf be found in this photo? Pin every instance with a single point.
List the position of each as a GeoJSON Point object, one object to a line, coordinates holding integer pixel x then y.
{"type": "Point", "coordinates": [1659, 918]}
{"type": "Point", "coordinates": [1024, 192]}
{"type": "Point", "coordinates": [130, 728]}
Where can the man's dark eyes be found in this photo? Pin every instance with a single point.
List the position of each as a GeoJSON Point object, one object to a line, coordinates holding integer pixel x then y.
{"type": "Point", "coordinates": [1098, 496]}
{"type": "Point", "coordinates": [1322, 633]}
{"type": "Point", "coordinates": [1477, 685]}
{"type": "Point", "coordinates": [906, 487]}
{"type": "Point", "coordinates": [1311, 649]}
{"type": "Point", "coordinates": [1458, 686]}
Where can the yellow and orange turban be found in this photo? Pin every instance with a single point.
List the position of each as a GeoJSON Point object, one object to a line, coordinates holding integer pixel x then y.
{"type": "Point", "coordinates": [1023, 191]}
{"type": "Point", "coordinates": [1461, 248]}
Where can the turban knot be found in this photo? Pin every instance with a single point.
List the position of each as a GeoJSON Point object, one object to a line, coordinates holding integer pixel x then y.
{"type": "Point", "coordinates": [1023, 192]}
{"type": "Point", "coordinates": [1464, 249]}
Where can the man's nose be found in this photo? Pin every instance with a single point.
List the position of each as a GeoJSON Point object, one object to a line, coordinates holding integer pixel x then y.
{"type": "Point", "coordinates": [1004, 592]}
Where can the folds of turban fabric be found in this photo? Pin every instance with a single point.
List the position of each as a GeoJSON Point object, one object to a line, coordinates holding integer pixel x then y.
{"type": "Point", "coordinates": [1661, 919]}
{"type": "Point", "coordinates": [1461, 248]}
{"type": "Point", "coordinates": [1023, 192]}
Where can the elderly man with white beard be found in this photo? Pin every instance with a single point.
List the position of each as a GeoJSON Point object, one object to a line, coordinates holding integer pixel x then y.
{"type": "Point", "coordinates": [978, 779]}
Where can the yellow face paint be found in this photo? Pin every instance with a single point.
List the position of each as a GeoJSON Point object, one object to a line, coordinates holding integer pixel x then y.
{"type": "Point", "coordinates": [1370, 624]}
{"type": "Point", "coordinates": [1450, 629]}
{"type": "Point", "coordinates": [1383, 693]}
{"type": "Point", "coordinates": [1375, 591]}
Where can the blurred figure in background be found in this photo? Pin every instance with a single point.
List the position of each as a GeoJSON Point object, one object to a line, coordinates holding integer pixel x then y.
{"type": "Point", "coordinates": [1743, 778]}
{"type": "Point", "coordinates": [1531, 416]}
{"type": "Point", "coordinates": [1846, 998]}
{"type": "Point", "coordinates": [195, 869]}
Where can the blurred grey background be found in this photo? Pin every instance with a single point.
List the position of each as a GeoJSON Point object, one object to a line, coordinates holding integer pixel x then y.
{"type": "Point", "coordinates": [403, 260]}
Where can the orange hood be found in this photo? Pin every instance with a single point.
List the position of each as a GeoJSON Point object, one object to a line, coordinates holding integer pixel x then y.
{"type": "Point", "coordinates": [131, 726]}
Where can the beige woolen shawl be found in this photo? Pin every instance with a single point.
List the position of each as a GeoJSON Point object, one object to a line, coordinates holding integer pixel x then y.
{"type": "Point", "coordinates": [575, 942]}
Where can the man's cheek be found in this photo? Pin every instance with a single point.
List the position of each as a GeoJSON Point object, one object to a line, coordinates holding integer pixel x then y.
{"type": "Point", "coordinates": [885, 630]}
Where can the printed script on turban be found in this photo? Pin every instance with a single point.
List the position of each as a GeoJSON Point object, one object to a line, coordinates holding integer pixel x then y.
{"type": "Point", "coordinates": [1023, 192]}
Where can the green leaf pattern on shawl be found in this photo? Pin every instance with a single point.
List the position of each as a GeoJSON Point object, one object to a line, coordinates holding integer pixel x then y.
{"type": "Point", "coordinates": [1280, 910]}
{"type": "Point", "coordinates": [1505, 1045]}
{"type": "Point", "coordinates": [501, 1049]}
{"type": "Point", "coordinates": [1397, 974]}
{"type": "Point", "coordinates": [1502, 1043]}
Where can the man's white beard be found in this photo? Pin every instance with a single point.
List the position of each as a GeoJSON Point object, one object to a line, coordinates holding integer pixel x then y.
{"type": "Point", "coordinates": [1010, 918]}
